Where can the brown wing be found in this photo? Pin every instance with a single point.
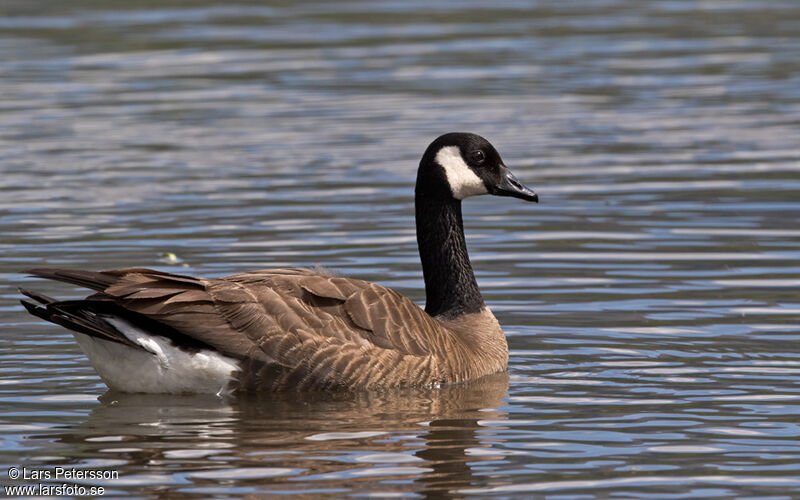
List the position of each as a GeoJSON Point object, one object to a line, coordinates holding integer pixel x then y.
{"type": "Point", "coordinates": [293, 328]}
{"type": "Point", "coordinates": [332, 330]}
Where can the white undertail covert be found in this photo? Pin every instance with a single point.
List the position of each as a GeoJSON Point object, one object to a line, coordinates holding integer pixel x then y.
{"type": "Point", "coordinates": [161, 367]}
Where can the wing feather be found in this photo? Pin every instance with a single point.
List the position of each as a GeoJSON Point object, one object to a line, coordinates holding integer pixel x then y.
{"type": "Point", "coordinates": [292, 328]}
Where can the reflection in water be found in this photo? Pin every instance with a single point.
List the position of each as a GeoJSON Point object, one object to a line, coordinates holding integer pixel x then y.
{"type": "Point", "coordinates": [322, 441]}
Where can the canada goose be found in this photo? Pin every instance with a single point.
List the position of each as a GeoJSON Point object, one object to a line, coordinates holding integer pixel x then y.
{"type": "Point", "coordinates": [296, 329]}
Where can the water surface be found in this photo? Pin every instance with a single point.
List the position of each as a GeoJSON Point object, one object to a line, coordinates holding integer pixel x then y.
{"type": "Point", "coordinates": [651, 299]}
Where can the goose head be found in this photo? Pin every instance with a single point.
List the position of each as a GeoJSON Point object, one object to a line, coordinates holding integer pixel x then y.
{"type": "Point", "coordinates": [458, 165]}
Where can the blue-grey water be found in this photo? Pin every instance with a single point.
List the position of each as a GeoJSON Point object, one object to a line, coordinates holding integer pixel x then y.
{"type": "Point", "coordinates": [651, 300]}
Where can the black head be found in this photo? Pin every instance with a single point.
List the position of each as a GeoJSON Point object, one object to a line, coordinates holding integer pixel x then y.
{"type": "Point", "coordinates": [461, 164]}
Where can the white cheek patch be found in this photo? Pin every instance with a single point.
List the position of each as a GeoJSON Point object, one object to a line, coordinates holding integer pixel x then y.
{"type": "Point", "coordinates": [463, 181]}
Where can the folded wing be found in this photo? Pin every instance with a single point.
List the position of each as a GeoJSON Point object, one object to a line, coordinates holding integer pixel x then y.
{"type": "Point", "coordinates": [290, 328]}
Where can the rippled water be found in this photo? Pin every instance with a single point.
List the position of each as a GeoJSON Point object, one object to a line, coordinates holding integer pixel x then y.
{"type": "Point", "coordinates": [651, 299]}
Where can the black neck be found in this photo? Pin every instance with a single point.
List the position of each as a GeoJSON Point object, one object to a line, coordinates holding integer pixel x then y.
{"type": "Point", "coordinates": [450, 286]}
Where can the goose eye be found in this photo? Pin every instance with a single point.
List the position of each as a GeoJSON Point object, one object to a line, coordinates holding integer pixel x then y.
{"type": "Point", "coordinates": [478, 156]}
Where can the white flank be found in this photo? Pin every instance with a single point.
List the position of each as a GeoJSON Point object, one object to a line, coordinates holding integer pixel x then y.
{"type": "Point", "coordinates": [168, 370]}
{"type": "Point", "coordinates": [463, 181]}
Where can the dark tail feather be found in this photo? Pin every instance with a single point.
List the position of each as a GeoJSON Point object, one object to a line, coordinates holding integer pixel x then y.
{"type": "Point", "coordinates": [86, 315]}
{"type": "Point", "coordinates": [74, 316]}
{"type": "Point", "coordinates": [38, 297]}
{"type": "Point", "coordinates": [89, 279]}
{"type": "Point", "coordinates": [36, 310]}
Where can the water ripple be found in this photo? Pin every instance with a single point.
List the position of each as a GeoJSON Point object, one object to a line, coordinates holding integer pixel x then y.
{"type": "Point", "coordinates": [650, 299]}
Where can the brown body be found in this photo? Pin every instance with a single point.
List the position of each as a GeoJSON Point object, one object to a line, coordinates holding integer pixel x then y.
{"type": "Point", "coordinates": [299, 329]}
